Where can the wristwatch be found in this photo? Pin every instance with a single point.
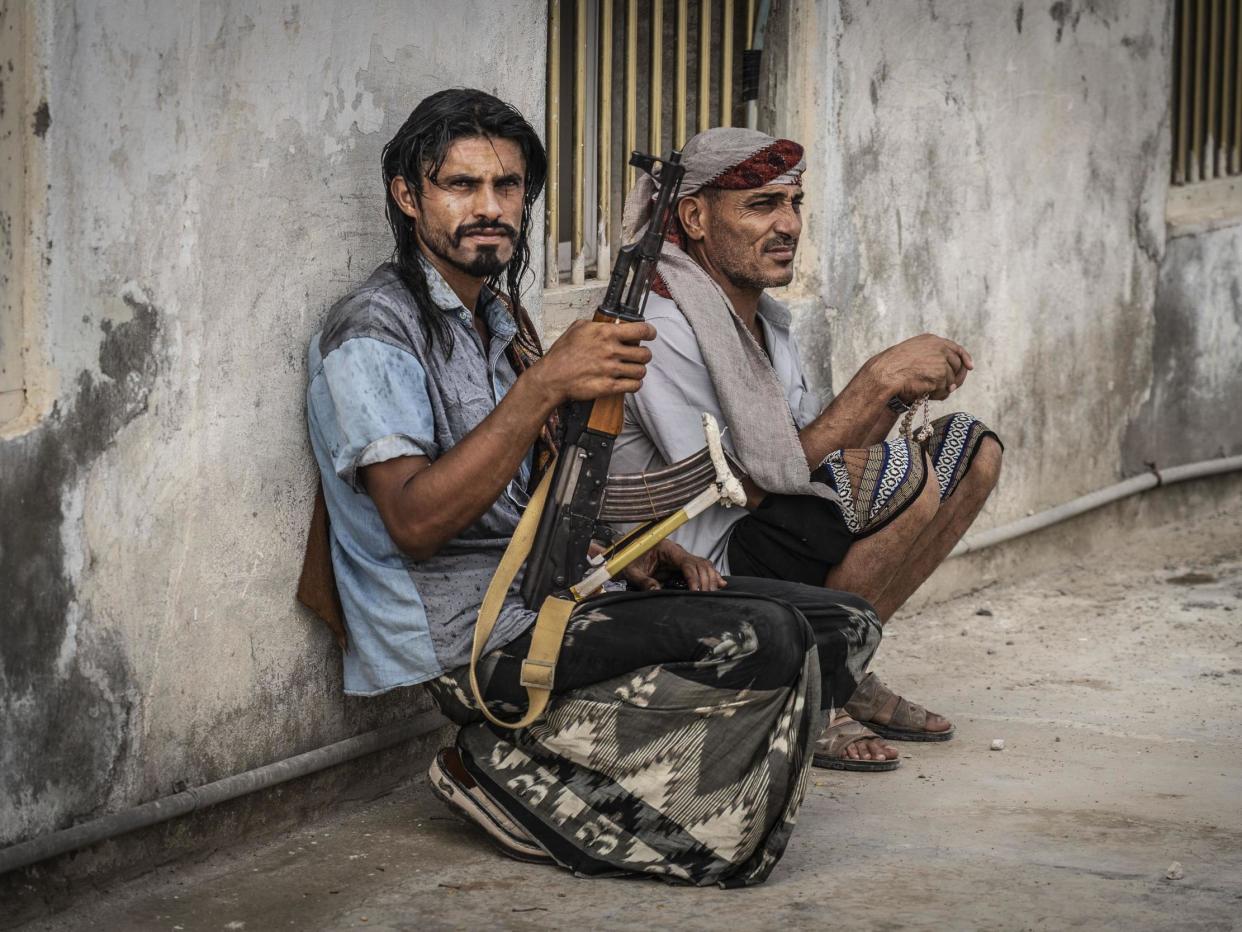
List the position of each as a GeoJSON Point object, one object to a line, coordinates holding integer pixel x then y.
{"type": "Point", "coordinates": [897, 406]}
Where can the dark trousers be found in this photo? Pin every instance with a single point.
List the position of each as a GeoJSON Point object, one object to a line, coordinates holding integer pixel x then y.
{"type": "Point", "coordinates": [764, 624]}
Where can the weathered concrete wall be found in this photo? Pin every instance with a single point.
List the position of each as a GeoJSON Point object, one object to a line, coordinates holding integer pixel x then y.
{"type": "Point", "coordinates": [995, 172]}
{"type": "Point", "coordinates": [1194, 408]}
{"type": "Point", "coordinates": [14, 115]}
{"type": "Point", "coordinates": [214, 173]}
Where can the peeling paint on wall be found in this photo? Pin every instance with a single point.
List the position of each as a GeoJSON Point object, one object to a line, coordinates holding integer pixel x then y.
{"type": "Point", "coordinates": [42, 120]}
{"type": "Point", "coordinates": [65, 707]}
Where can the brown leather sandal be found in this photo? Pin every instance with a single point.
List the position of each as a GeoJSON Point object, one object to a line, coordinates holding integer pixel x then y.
{"type": "Point", "coordinates": [908, 722]}
{"type": "Point", "coordinates": [830, 749]}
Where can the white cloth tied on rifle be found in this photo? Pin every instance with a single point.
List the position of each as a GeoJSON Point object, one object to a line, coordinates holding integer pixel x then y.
{"type": "Point", "coordinates": [751, 397]}
{"type": "Point", "coordinates": [657, 498]}
{"type": "Point", "coordinates": [648, 496]}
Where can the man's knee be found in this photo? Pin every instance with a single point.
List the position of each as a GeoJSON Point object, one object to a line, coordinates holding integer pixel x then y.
{"type": "Point", "coordinates": [783, 639]}
{"type": "Point", "coordinates": [985, 468]}
{"type": "Point", "coordinates": [853, 605]}
{"type": "Point", "coordinates": [861, 618]}
{"type": "Point", "coordinates": [923, 509]}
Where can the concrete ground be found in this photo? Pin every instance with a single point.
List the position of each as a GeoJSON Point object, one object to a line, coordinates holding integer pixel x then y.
{"type": "Point", "coordinates": [1115, 684]}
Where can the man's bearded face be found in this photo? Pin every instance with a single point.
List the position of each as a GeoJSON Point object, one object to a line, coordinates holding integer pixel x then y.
{"type": "Point", "coordinates": [751, 236]}
{"type": "Point", "coordinates": [469, 216]}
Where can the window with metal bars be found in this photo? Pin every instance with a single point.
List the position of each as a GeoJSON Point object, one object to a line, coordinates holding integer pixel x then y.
{"type": "Point", "coordinates": [625, 75]}
{"type": "Point", "coordinates": [1207, 113]}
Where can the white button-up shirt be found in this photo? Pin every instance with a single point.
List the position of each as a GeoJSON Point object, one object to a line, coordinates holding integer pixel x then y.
{"type": "Point", "coordinates": [663, 421]}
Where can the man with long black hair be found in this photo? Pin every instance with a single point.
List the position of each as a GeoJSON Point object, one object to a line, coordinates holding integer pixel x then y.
{"type": "Point", "coordinates": [680, 731]}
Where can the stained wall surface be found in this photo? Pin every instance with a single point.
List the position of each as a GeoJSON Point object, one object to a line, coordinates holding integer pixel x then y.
{"type": "Point", "coordinates": [1194, 408]}
{"type": "Point", "coordinates": [997, 173]}
{"type": "Point", "coordinates": [992, 171]}
{"type": "Point", "coordinates": [214, 186]}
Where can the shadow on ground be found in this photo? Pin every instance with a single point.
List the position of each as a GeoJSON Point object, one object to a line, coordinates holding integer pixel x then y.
{"type": "Point", "coordinates": [1115, 686]}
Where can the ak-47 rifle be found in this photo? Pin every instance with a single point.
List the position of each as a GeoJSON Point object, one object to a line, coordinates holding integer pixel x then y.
{"type": "Point", "coordinates": [555, 534]}
{"type": "Point", "coordinates": [558, 558]}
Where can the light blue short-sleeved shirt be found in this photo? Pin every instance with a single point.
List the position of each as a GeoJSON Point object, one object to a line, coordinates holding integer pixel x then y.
{"type": "Point", "coordinates": [663, 420]}
{"type": "Point", "coordinates": [379, 391]}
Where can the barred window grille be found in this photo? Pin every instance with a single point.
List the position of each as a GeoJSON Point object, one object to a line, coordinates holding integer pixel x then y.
{"type": "Point", "coordinates": [1207, 91]}
{"type": "Point", "coordinates": [625, 75]}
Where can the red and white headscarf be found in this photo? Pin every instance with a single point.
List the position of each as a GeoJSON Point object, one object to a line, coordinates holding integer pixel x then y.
{"type": "Point", "coordinates": [752, 399]}
{"type": "Point", "coordinates": [729, 158]}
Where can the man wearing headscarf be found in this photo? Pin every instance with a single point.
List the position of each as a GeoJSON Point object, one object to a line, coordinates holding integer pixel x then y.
{"type": "Point", "coordinates": [831, 502]}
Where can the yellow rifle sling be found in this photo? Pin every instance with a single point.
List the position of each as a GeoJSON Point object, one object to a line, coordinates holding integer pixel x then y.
{"type": "Point", "coordinates": [545, 644]}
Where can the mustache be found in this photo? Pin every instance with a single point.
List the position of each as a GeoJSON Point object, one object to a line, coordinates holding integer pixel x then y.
{"type": "Point", "coordinates": [780, 242]}
{"type": "Point", "coordinates": [467, 229]}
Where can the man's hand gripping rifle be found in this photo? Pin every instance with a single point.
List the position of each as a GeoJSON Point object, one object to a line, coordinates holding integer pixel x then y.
{"type": "Point", "coordinates": [580, 484]}
{"type": "Point", "coordinates": [577, 494]}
